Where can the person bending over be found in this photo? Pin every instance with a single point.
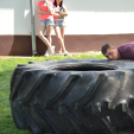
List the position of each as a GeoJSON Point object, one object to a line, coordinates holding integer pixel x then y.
{"type": "Point", "coordinates": [125, 51]}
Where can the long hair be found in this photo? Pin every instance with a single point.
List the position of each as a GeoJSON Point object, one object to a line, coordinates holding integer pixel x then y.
{"type": "Point", "coordinates": [55, 3]}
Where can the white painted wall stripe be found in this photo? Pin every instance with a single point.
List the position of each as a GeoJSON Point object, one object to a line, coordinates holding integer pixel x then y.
{"type": "Point", "coordinates": [85, 17]}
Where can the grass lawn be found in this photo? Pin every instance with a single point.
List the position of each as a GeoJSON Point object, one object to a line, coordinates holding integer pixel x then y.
{"type": "Point", "coordinates": [7, 65]}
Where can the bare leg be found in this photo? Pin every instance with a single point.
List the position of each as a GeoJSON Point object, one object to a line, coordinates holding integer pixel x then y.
{"type": "Point", "coordinates": [59, 38]}
{"type": "Point", "coordinates": [41, 36]}
{"type": "Point", "coordinates": [62, 30]}
{"type": "Point", "coordinates": [49, 29]}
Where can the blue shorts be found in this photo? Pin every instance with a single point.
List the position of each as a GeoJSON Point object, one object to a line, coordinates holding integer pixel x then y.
{"type": "Point", "coordinates": [47, 22]}
{"type": "Point", "coordinates": [59, 23]}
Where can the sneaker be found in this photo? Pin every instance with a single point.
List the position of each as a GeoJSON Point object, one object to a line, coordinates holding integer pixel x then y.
{"type": "Point", "coordinates": [60, 52]}
{"type": "Point", "coordinates": [47, 53]}
{"type": "Point", "coordinates": [66, 53]}
{"type": "Point", "coordinates": [52, 50]}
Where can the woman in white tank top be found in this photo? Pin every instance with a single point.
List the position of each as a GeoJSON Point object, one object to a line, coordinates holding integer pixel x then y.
{"type": "Point", "coordinates": [60, 25]}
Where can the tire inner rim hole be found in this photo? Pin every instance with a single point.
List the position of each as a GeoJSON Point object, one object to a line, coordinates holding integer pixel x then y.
{"type": "Point", "coordinates": [84, 67]}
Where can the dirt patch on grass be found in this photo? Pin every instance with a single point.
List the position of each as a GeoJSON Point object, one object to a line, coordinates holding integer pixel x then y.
{"type": "Point", "coordinates": [10, 57]}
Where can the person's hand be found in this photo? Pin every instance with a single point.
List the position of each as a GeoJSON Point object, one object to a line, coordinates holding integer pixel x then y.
{"type": "Point", "coordinates": [47, 2]}
{"type": "Point", "coordinates": [61, 13]}
{"type": "Point", "coordinates": [56, 14]}
{"type": "Point", "coordinates": [51, 12]}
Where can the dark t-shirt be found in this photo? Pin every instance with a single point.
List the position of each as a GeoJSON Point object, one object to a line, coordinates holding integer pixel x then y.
{"type": "Point", "coordinates": [127, 51]}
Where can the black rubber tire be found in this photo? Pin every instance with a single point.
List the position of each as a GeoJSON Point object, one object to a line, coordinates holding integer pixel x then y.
{"type": "Point", "coordinates": [74, 96]}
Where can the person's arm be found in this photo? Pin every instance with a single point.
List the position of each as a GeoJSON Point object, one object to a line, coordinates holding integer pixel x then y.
{"type": "Point", "coordinates": [57, 15]}
{"type": "Point", "coordinates": [41, 12]}
{"type": "Point", "coordinates": [64, 13]}
{"type": "Point", "coordinates": [49, 6]}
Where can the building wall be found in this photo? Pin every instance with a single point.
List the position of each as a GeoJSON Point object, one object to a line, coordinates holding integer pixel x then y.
{"type": "Point", "coordinates": [87, 21]}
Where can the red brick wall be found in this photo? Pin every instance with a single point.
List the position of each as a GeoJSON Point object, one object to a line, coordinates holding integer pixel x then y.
{"type": "Point", "coordinates": [21, 45]}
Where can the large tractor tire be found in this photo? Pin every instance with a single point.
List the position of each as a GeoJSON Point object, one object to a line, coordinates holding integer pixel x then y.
{"type": "Point", "coordinates": [74, 96]}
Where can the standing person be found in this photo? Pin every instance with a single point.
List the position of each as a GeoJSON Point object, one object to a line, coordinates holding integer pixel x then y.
{"type": "Point", "coordinates": [46, 24]}
{"type": "Point", "coordinates": [59, 24]}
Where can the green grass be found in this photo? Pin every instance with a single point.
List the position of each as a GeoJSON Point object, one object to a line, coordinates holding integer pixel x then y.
{"type": "Point", "coordinates": [7, 125]}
